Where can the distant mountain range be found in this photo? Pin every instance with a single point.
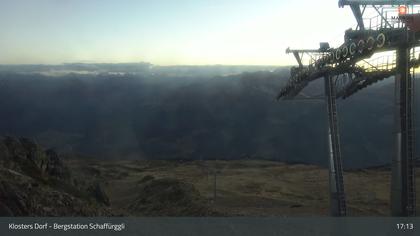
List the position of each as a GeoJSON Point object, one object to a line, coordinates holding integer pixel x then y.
{"type": "Point", "coordinates": [141, 68]}
{"type": "Point", "coordinates": [190, 113]}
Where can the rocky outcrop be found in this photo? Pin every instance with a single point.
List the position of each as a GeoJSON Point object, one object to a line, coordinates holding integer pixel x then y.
{"type": "Point", "coordinates": [21, 195]}
{"type": "Point", "coordinates": [34, 182]}
{"type": "Point", "coordinates": [15, 199]}
{"type": "Point", "coordinates": [55, 166]}
{"type": "Point", "coordinates": [25, 155]}
{"type": "Point", "coordinates": [169, 197]}
{"type": "Point", "coordinates": [99, 194]}
{"type": "Point", "coordinates": [15, 148]}
{"type": "Point", "coordinates": [5, 157]}
{"type": "Point", "coordinates": [5, 211]}
{"type": "Point", "coordinates": [34, 153]}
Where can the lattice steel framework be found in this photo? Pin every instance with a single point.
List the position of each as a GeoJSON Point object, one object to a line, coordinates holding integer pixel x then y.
{"type": "Point", "coordinates": [349, 68]}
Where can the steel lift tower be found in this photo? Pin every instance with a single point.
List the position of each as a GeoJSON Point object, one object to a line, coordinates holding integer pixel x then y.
{"type": "Point", "coordinates": [336, 185]}
{"type": "Point", "coordinates": [394, 29]}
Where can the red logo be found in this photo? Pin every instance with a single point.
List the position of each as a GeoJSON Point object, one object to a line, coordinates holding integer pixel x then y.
{"type": "Point", "coordinates": [402, 10]}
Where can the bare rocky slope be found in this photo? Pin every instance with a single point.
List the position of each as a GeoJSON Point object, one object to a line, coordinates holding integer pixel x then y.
{"type": "Point", "coordinates": [34, 182]}
{"type": "Point", "coordinates": [38, 182]}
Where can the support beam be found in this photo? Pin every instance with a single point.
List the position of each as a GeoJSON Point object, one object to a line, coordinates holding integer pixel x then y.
{"type": "Point", "coordinates": [299, 54]}
{"type": "Point", "coordinates": [358, 15]}
{"type": "Point", "coordinates": [403, 201]}
{"type": "Point", "coordinates": [337, 196]}
{"type": "Point", "coordinates": [298, 58]}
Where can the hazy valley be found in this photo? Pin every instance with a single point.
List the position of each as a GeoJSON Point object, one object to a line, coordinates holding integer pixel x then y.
{"type": "Point", "coordinates": [182, 115]}
{"type": "Point", "coordinates": [183, 141]}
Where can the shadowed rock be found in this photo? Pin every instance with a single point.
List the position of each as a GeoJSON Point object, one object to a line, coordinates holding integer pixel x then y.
{"type": "Point", "coordinates": [99, 194]}
{"type": "Point", "coordinates": [5, 156]}
{"type": "Point", "coordinates": [38, 183]}
{"type": "Point", "coordinates": [5, 211]}
{"type": "Point", "coordinates": [15, 148]}
{"type": "Point", "coordinates": [169, 197]}
{"type": "Point", "coordinates": [55, 166]}
{"type": "Point", "coordinates": [15, 199]}
{"type": "Point", "coordinates": [34, 153]}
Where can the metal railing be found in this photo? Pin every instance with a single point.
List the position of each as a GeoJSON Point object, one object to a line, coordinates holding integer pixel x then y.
{"type": "Point", "coordinates": [385, 17]}
{"type": "Point", "coordinates": [381, 63]}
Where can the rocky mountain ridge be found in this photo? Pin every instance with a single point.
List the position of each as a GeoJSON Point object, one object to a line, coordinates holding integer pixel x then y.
{"type": "Point", "coordinates": [36, 182]}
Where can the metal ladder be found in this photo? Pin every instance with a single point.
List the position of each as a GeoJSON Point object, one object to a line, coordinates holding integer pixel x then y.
{"type": "Point", "coordinates": [337, 195]}
{"type": "Point", "coordinates": [411, 190]}
{"type": "Point", "coordinates": [403, 185]}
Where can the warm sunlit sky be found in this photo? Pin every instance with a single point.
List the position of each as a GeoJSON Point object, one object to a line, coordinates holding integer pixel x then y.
{"type": "Point", "coordinates": [166, 32]}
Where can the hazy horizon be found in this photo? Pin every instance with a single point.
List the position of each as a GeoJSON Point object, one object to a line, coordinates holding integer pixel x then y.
{"type": "Point", "coordinates": [185, 32]}
{"type": "Point", "coordinates": [140, 62]}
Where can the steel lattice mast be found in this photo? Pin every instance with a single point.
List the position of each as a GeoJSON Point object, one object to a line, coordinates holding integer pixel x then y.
{"type": "Point", "coordinates": [346, 71]}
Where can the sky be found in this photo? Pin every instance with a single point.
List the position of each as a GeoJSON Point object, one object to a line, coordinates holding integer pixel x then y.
{"type": "Point", "coordinates": [166, 32]}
